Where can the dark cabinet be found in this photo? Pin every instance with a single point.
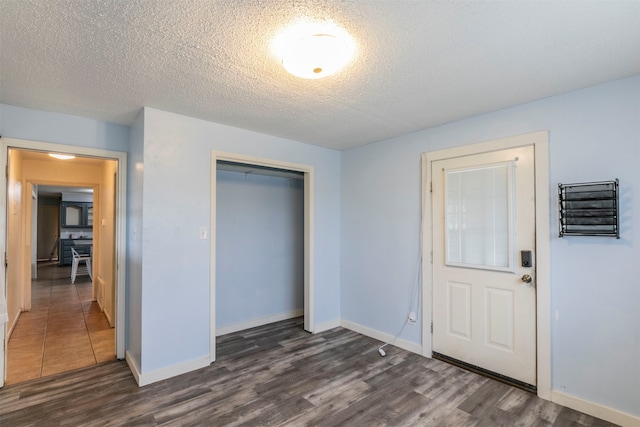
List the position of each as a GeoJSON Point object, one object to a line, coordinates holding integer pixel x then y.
{"type": "Point", "coordinates": [76, 214]}
{"type": "Point", "coordinates": [83, 247]}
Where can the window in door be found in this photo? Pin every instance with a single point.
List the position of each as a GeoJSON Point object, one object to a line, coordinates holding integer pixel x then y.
{"type": "Point", "coordinates": [478, 220]}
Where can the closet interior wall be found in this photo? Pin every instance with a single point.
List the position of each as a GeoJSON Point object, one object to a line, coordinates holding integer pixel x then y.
{"type": "Point", "coordinates": [259, 248]}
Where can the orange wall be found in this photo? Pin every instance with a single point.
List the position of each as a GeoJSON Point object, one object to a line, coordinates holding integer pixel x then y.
{"type": "Point", "coordinates": [14, 247]}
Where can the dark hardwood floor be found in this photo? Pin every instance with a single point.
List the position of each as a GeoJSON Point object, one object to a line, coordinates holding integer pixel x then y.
{"type": "Point", "coordinates": [279, 374]}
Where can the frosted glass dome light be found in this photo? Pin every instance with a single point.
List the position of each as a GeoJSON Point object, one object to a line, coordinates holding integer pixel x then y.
{"type": "Point", "coordinates": [311, 51]}
{"type": "Point", "coordinates": [62, 156]}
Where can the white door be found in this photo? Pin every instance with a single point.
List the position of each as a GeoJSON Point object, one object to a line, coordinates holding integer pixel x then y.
{"type": "Point", "coordinates": [484, 296]}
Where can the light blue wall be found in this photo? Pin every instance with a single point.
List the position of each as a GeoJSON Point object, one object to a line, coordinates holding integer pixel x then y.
{"type": "Point", "coordinates": [135, 168]}
{"type": "Point", "coordinates": [594, 135]}
{"type": "Point", "coordinates": [176, 202]}
{"type": "Point", "coordinates": [366, 224]}
{"type": "Point", "coordinates": [35, 125]}
{"type": "Point", "coordinates": [259, 246]}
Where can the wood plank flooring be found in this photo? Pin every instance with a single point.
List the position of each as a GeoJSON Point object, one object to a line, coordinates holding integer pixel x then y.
{"type": "Point", "coordinates": [280, 375]}
{"type": "Point", "coordinates": [65, 329]}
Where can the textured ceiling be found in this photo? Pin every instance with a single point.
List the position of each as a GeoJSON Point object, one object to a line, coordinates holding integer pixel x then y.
{"type": "Point", "coordinates": [419, 63]}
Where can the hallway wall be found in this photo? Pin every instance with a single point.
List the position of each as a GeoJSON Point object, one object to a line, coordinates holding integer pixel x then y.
{"type": "Point", "coordinates": [105, 223]}
{"type": "Point", "coordinates": [15, 270]}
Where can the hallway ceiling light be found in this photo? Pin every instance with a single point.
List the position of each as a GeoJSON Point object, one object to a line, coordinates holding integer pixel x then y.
{"type": "Point", "coordinates": [62, 156]}
{"type": "Point", "coordinates": [313, 50]}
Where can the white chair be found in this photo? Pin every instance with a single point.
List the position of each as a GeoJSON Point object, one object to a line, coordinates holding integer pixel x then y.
{"type": "Point", "coordinates": [77, 259]}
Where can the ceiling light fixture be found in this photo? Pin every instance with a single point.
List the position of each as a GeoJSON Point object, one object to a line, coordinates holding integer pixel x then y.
{"type": "Point", "coordinates": [62, 156]}
{"type": "Point", "coordinates": [312, 50]}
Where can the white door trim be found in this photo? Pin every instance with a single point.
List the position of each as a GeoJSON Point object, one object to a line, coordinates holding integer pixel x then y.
{"type": "Point", "coordinates": [121, 225]}
{"type": "Point", "coordinates": [540, 142]}
{"type": "Point", "coordinates": [309, 324]}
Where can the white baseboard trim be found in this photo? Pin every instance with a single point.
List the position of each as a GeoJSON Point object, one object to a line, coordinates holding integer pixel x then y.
{"type": "Point", "coordinates": [106, 314]}
{"type": "Point", "coordinates": [594, 409]}
{"type": "Point", "coordinates": [164, 373]}
{"type": "Point", "coordinates": [327, 325]}
{"type": "Point", "coordinates": [381, 336]}
{"type": "Point", "coordinates": [133, 366]}
{"type": "Point", "coordinates": [259, 322]}
{"type": "Point", "coordinates": [13, 325]}
{"type": "Point", "coordinates": [99, 287]}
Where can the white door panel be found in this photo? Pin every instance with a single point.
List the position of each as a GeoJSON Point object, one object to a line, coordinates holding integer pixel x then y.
{"type": "Point", "coordinates": [459, 306]}
{"type": "Point", "coordinates": [484, 314]}
{"type": "Point", "coordinates": [499, 319]}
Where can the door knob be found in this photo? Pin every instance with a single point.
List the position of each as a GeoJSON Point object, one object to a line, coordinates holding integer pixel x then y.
{"type": "Point", "coordinates": [526, 278]}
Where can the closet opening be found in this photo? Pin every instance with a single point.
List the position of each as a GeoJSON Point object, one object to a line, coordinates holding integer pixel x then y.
{"type": "Point", "coordinates": [261, 233]}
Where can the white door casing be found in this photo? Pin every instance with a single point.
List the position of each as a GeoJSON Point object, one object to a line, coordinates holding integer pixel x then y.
{"type": "Point", "coordinates": [483, 210]}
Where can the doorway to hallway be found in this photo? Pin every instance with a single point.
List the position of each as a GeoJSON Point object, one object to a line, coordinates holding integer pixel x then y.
{"type": "Point", "coordinates": [109, 231]}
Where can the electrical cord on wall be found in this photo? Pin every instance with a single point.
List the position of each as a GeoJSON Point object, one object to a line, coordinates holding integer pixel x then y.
{"type": "Point", "coordinates": [380, 349]}
{"type": "Point", "coordinates": [414, 303]}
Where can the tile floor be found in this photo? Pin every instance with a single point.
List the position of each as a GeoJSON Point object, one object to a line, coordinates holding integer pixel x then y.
{"type": "Point", "coordinates": [65, 329]}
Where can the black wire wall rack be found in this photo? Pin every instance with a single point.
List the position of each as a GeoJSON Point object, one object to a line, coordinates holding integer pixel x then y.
{"type": "Point", "coordinates": [589, 209]}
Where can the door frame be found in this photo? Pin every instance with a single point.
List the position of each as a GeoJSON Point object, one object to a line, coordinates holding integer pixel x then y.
{"type": "Point", "coordinates": [540, 142]}
{"type": "Point", "coordinates": [309, 301]}
{"type": "Point", "coordinates": [120, 225]}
